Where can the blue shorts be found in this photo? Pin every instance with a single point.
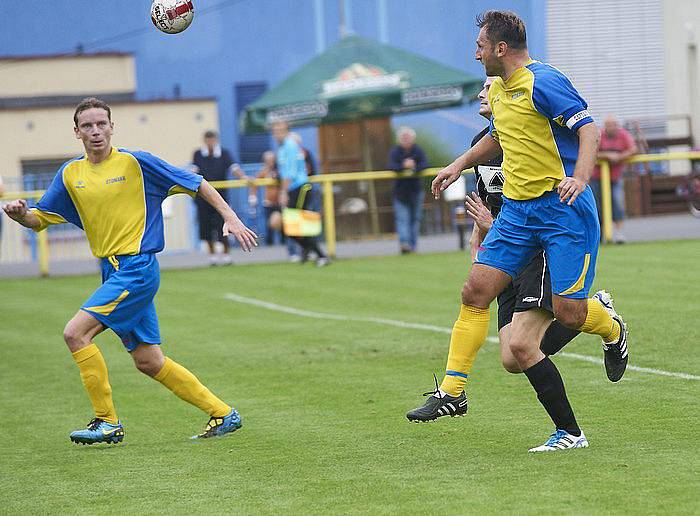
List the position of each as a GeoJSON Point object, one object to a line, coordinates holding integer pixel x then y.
{"type": "Point", "coordinates": [124, 302]}
{"type": "Point", "coordinates": [569, 236]}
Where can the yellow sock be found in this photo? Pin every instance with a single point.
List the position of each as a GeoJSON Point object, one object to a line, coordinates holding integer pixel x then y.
{"type": "Point", "coordinates": [599, 322]}
{"type": "Point", "coordinates": [468, 335]}
{"type": "Point", "coordinates": [187, 387]}
{"type": "Point", "coordinates": [93, 372]}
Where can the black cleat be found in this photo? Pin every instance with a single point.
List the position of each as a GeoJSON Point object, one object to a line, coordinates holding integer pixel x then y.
{"type": "Point", "coordinates": [436, 406]}
{"type": "Point", "coordinates": [615, 352]}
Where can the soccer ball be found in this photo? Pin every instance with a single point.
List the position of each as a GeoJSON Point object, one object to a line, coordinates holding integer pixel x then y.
{"type": "Point", "coordinates": [172, 16]}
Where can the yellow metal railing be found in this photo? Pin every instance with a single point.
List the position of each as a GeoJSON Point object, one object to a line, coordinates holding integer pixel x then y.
{"type": "Point", "coordinates": [605, 188]}
{"type": "Point", "coordinates": [328, 180]}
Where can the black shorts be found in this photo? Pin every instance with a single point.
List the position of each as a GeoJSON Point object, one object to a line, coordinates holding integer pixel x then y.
{"type": "Point", "coordinates": [531, 289]}
{"type": "Point", "coordinates": [210, 223]}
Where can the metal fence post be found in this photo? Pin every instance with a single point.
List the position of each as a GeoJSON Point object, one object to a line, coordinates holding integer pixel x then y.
{"type": "Point", "coordinates": [329, 216]}
{"type": "Point", "coordinates": [606, 201]}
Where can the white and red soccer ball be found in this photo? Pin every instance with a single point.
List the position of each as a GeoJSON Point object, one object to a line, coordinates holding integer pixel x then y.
{"type": "Point", "coordinates": [172, 16]}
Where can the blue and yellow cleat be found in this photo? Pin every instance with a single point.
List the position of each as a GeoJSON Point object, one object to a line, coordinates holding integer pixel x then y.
{"type": "Point", "coordinates": [218, 426]}
{"type": "Point", "coordinates": [99, 431]}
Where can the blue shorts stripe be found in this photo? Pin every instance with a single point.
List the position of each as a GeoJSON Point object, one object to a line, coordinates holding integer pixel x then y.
{"type": "Point", "coordinates": [456, 373]}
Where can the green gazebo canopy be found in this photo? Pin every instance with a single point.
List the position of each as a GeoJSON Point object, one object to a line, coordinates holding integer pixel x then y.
{"type": "Point", "coordinates": [359, 78]}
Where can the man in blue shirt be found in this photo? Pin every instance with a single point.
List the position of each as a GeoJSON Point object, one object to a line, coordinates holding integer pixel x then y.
{"type": "Point", "coordinates": [296, 190]}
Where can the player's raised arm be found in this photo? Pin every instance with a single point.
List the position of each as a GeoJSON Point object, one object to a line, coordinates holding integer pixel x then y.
{"type": "Point", "coordinates": [486, 149]}
{"type": "Point", "coordinates": [19, 212]}
{"type": "Point", "coordinates": [232, 224]}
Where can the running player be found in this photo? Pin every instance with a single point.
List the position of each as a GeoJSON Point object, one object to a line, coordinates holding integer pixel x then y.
{"type": "Point", "coordinates": [115, 196]}
{"type": "Point", "coordinates": [541, 125]}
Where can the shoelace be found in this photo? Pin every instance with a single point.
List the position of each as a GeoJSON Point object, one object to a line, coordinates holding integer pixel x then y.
{"type": "Point", "coordinates": [436, 392]}
{"type": "Point", "coordinates": [94, 424]}
{"type": "Point", "coordinates": [554, 438]}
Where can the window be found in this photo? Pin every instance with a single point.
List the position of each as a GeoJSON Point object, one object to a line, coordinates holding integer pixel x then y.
{"type": "Point", "coordinates": [250, 146]}
{"type": "Point", "coordinates": [612, 52]}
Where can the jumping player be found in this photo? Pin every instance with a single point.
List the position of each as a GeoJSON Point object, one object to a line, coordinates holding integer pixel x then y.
{"type": "Point", "coordinates": [541, 125]}
{"type": "Point", "coordinates": [530, 292]}
{"type": "Point", "coordinates": [115, 196]}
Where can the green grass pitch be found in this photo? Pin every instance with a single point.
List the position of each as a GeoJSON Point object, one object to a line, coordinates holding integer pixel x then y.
{"type": "Point", "coordinates": [323, 400]}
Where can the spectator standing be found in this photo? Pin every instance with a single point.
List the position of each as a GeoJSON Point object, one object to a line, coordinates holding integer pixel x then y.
{"type": "Point", "coordinates": [215, 164]}
{"type": "Point", "coordinates": [408, 191]}
{"type": "Point", "coordinates": [616, 145]}
{"type": "Point", "coordinates": [295, 187]}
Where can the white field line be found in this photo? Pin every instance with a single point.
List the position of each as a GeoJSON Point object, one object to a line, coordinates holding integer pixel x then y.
{"type": "Point", "coordinates": [427, 327]}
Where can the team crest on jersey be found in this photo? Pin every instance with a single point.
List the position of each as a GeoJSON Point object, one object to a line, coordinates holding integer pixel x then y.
{"type": "Point", "coordinates": [80, 184]}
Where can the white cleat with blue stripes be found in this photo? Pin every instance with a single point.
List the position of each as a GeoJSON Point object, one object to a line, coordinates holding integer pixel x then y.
{"type": "Point", "coordinates": [562, 440]}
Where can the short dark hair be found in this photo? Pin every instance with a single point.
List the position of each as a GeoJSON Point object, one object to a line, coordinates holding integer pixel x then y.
{"type": "Point", "coordinates": [89, 103]}
{"type": "Point", "coordinates": [503, 26]}
{"type": "Point", "coordinates": [211, 134]}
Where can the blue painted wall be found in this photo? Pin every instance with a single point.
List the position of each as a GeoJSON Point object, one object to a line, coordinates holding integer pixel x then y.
{"type": "Point", "coordinates": [261, 40]}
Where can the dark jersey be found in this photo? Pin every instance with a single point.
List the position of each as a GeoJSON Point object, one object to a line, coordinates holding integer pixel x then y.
{"type": "Point", "coordinates": [213, 168]}
{"type": "Point", "coordinates": [489, 179]}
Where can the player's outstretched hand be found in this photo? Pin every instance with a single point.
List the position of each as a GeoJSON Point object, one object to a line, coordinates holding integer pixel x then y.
{"type": "Point", "coordinates": [570, 188]}
{"type": "Point", "coordinates": [16, 210]}
{"type": "Point", "coordinates": [478, 211]}
{"type": "Point", "coordinates": [445, 178]}
{"type": "Point", "coordinates": [245, 236]}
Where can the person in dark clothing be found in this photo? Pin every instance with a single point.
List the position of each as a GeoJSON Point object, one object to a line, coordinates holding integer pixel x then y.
{"type": "Point", "coordinates": [215, 164]}
{"type": "Point", "coordinates": [408, 191]}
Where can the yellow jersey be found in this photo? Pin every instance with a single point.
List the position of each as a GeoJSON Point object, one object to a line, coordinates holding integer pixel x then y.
{"type": "Point", "coordinates": [116, 202]}
{"type": "Point", "coordinates": [535, 118]}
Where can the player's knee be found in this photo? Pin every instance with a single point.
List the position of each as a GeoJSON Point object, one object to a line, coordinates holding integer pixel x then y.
{"type": "Point", "coordinates": [519, 348]}
{"type": "Point", "coordinates": [510, 365]}
{"type": "Point", "coordinates": [148, 365]}
{"type": "Point", "coordinates": [471, 294]}
{"type": "Point", "coordinates": [73, 338]}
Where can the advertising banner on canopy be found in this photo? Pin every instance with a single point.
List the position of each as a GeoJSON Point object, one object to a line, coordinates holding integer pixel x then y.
{"type": "Point", "coordinates": [359, 78]}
